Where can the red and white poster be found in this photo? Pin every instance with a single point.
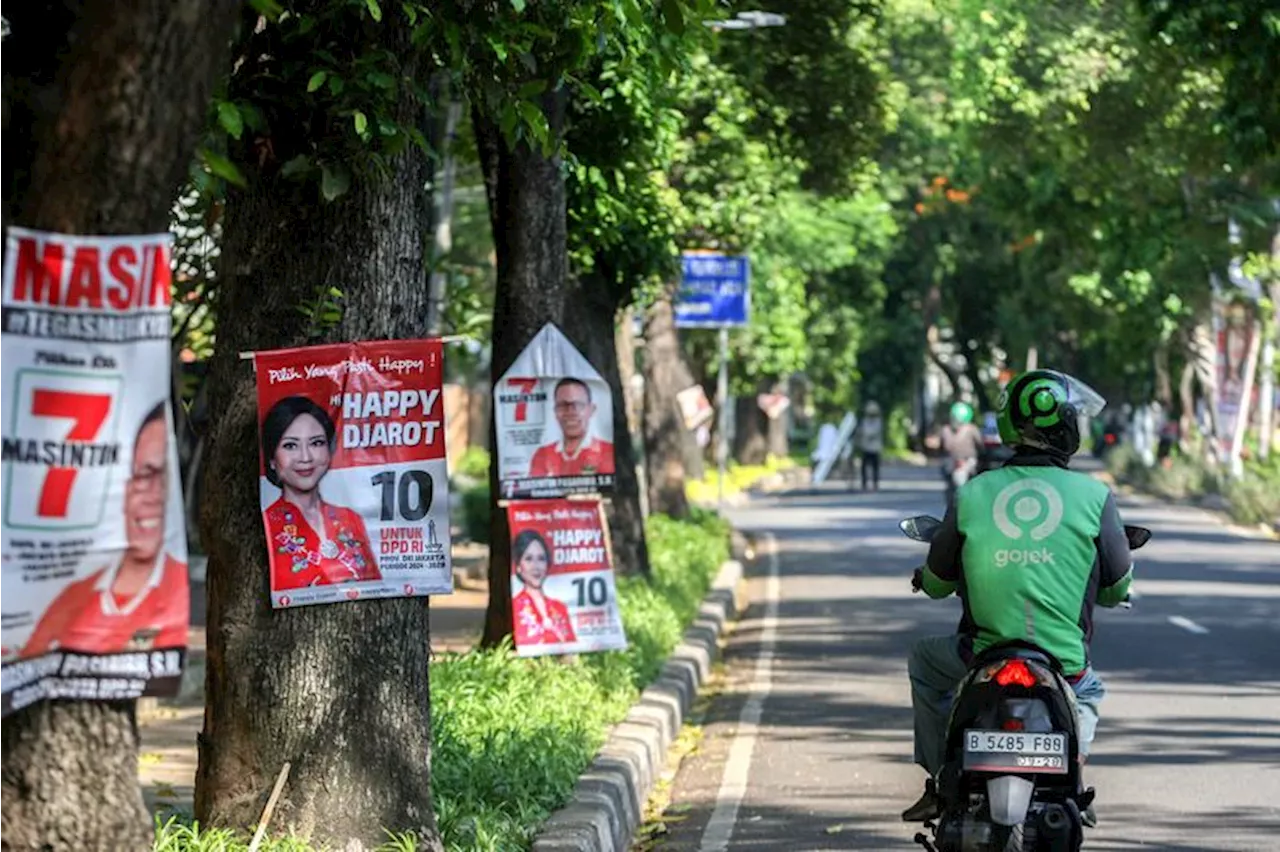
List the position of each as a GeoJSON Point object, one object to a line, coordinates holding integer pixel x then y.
{"type": "Point", "coordinates": [563, 596]}
{"type": "Point", "coordinates": [95, 596]}
{"type": "Point", "coordinates": [1234, 335]}
{"type": "Point", "coordinates": [354, 486]}
{"type": "Point", "coordinates": [554, 416]}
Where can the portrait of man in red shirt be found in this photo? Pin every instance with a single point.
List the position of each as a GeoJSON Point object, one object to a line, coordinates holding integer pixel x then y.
{"type": "Point", "coordinates": [578, 452]}
{"type": "Point", "coordinates": [141, 602]}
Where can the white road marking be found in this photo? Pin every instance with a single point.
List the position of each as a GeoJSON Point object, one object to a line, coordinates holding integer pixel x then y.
{"type": "Point", "coordinates": [1187, 624]}
{"type": "Point", "coordinates": [733, 784]}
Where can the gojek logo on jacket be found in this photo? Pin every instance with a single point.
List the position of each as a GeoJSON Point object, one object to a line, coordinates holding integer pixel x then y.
{"type": "Point", "coordinates": [1029, 509]}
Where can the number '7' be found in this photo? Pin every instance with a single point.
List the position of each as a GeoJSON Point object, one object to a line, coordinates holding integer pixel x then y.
{"type": "Point", "coordinates": [89, 411]}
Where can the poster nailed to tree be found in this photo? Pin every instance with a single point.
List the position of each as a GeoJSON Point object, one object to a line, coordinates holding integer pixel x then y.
{"type": "Point", "coordinates": [564, 598]}
{"type": "Point", "coordinates": [554, 417]}
{"type": "Point", "coordinates": [95, 600]}
{"type": "Point", "coordinates": [353, 482]}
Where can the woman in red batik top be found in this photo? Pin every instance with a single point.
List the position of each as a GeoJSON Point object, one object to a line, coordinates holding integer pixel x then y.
{"type": "Point", "coordinates": [539, 620]}
{"type": "Point", "coordinates": [312, 543]}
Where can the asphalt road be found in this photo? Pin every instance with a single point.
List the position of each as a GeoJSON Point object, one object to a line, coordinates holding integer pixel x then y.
{"type": "Point", "coordinates": [808, 746]}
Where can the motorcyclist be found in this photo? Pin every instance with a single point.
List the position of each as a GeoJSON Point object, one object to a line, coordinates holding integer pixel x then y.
{"type": "Point", "coordinates": [962, 442]}
{"type": "Point", "coordinates": [1029, 547]}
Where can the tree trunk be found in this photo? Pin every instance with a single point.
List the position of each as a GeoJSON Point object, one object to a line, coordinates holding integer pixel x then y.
{"type": "Point", "coordinates": [666, 439]}
{"type": "Point", "coordinates": [1164, 382]}
{"type": "Point", "coordinates": [624, 339]}
{"type": "Point", "coordinates": [1186, 394]}
{"type": "Point", "coordinates": [776, 429]}
{"type": "Point", "coordinates": [103, 104]}
{"type": "Point", "coordinates": [751, 438]}
{"type": "Point", "coordinates": [526, 195]}
{"type": "Point", "coordinates": [1202, 350]}
{"type": "Point", "coordinates": [589, 322]}
{"type": "Point", "coordinates": [340, 691]}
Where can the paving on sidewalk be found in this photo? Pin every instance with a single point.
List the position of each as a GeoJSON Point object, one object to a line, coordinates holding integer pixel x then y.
{"type": "Point", "coordinates": [169, 727]}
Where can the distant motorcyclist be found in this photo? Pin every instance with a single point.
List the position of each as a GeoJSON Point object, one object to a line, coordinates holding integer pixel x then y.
{"type": "Point", "coordinates": [1031, 547]}
{"type": "Point", "coordinates": [963, 445]}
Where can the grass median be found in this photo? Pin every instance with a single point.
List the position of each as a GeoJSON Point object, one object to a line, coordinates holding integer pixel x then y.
{"type": "Point", "coordinates": [511, 735]}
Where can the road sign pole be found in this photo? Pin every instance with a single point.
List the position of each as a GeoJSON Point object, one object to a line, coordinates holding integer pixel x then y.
{"type": "Point", "coordinates": [722, 401]}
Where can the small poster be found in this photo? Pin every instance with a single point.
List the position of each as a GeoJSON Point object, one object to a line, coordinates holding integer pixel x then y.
{"type": "Point", "coordinates": [695, 408]}
{"type": "Point", "coordinates": [353, 480]}
{"type": "Point", "coordinates": [95, 597]}
{"type": "Point", "coordinates": [554, 416]}
{"type": "Point", "coordinates": [564, 598]}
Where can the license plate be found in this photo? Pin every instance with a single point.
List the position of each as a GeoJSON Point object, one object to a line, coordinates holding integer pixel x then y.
{"type": "Point", "coordinates": [996, 751]}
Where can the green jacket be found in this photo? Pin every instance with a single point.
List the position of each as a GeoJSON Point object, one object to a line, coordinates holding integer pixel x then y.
{"type": "Point", "coordinates": [1031, 547]}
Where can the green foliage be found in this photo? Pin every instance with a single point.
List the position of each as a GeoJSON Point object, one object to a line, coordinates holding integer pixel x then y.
{"type": "Point", "coordinates": [317, 93]}
{"type": "Point", "coordinates": [475, 511]}
{"type": "Point", "coordinates": [178, 834]}
{"type": "Point", "coordinates": [474, 463]}
{"type": "Point", "coordinates": [512, 735]}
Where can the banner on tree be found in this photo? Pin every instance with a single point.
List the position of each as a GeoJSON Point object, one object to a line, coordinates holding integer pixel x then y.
{"type": "Point", "coordinates": [564, 599]}
{"type": "Point", "coordinates": [554, 421]}
{"type": "Point", "coordinates": [95, 596]}
{"type": "Point", "coordinates": [353, 482]}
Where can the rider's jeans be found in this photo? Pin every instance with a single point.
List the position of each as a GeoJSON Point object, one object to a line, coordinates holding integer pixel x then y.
{"type": "Point", "coordinates": [936, 667]}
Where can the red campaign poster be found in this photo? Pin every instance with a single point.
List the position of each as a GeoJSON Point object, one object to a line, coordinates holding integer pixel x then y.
{"type": "Point", "coordinates": [564, 599]}
{"type": "Point", "coordinates": [353, 479]}
{"type": "Point", "coordinates": [95, 597]}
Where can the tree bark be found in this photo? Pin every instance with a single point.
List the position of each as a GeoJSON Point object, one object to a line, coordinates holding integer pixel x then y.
{"type": "Point", "coordinates": [103, 104]}
{"type": "Point", "coordinates": [666, 439]}
{"type": "Point", "coordinates": [528, 214]}
{"type": "Point", "coordinates": [1164, 382]}
{"type": "Point", "coordinates": [589, 322]}
{"type": "Point", "coordinates": [526, 197]}
{"type": "Point", "coordinates": [340, 691]}
{"type": "Point", "coordinates": [1186, 395]}
{"type": "Point", "coordinates": [751, 437]}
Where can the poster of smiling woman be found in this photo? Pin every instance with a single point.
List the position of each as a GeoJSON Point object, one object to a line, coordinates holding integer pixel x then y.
{"type": "Point", "coordinates": [353, 481]}
{"type": "Point", "coordinates": [554, 415]}
{"type": "Point", "coordinates": [563, 596]}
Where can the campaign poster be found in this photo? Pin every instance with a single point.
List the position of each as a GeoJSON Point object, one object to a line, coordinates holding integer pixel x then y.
{"type": "Point", "coordinates": [554, 416]}
{"type": "Point", "coordinates": [563, 596]}
{"type": "Point", "coordinates": [353, 479]}
{"type": "Point", "coordinates": [95, 597]}
{"type": "Point", "coordinates": [695, 408]}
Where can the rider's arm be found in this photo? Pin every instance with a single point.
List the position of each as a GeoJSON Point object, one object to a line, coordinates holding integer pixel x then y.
{"type": "Point", "coordinates": [1113, 557]}
{"type": "Point", "coordinates": [942, 569]}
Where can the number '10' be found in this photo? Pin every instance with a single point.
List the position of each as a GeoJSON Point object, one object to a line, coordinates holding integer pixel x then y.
{"type": "Point", "coordinates": [594, 591]}
{"type": "Point", "coordinates": [414, 503]}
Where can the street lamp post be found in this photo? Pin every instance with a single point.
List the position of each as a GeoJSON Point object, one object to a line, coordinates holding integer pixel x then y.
{"type": "Point", "coordinates": [749, 20]}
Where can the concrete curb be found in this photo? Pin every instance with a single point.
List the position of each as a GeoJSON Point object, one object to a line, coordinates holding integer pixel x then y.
{"type": "Point", "coordinates": [608, 803]}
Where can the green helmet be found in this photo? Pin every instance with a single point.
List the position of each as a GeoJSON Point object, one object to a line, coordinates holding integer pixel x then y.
{"type": "Point", "coordinates": [1041, 409]}
{"type": "Point", "coordinates": [961, 412]}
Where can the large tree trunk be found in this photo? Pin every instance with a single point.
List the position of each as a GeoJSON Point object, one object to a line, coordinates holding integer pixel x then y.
{"type": "Point", "coordinates": [103, 104]}
{"type": "Point", "coordinates": [667, 441]}
{"type": "Point", "coordinates": [589, 321]}
{"type": "Point", "coordinates": [751, 435]}
{"type": "Point", "coordinates": [339, 691]}
{"type": "Point", "coordinates": [527, 211]}
{"type": "Point", "coordinates": [526, 196]}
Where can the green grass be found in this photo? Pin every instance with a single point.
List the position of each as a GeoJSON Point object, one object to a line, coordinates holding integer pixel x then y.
{"type": "Point", "coordinates": [512, 735]}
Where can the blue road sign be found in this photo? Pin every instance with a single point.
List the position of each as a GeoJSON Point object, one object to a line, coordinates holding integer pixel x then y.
{"type": "Point", "coordinates": [714, 291]}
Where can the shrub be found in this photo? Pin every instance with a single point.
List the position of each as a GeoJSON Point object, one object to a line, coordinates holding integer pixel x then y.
{"type": "Point", "coordinates": [474, 464]}
{"type": "Point", "coordinates": [476, 512]}
{"type": "Point", "coordinates": [512, 735]}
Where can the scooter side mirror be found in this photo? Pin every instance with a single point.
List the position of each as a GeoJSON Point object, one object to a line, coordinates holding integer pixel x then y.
{"type": "Point", "coordinates": [920, 528]}
{"type": "Point", "coordinates": [1138, 536]}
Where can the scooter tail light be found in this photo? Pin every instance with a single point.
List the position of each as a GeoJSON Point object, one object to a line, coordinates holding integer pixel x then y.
{"type": "Point", "coordinates": [1015, 672]}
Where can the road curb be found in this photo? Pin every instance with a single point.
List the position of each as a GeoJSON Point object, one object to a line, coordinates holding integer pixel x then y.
{"type": "Point", "coordinates": [608, 802]}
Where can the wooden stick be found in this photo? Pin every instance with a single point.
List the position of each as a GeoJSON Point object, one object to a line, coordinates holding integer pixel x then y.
{"type": "Point", "coordinates": [271, 806]}
{"type": "Point", "coordinates": [448, 338]}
